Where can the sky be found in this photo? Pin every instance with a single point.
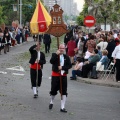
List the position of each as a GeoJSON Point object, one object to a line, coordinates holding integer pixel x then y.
{"type": "Point", "coordinates": [79, 4]}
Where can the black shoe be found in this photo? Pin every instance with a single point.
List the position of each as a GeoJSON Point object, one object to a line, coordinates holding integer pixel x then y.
{"type": "Point", "coordinates": [50, 106]}
{"type": "Point", "coordinates": [63, 110]}
{"type": "Point", "coordinates": [72, 78]}
{"type": "Point", "coordinates": [94, 77]}
{"type": "Point", "coordinates": [35, 95]}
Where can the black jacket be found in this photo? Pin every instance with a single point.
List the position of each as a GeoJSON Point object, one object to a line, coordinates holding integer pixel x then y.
{"type": "Point", "coordinates": [33, 58]}
{"type": "Point", "coordinates": [110, 48]}
{"type": "Point", "coordinates": [47, 39]}
{"type": "Point", "coordinates": [55, 63]}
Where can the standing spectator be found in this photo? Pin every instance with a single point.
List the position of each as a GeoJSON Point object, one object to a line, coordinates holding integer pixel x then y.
{"type": "Point", "coordinates": [80, 46]}
{"type": "Point", "coordinates": [6, 40]}
{"type": "Point", "coordinates": [91, 44]}
{"type": "Point", "coordinates": [1, 37]}
{"type": "Point", "coordinates": [116, 57]}
{"type": "Point", "coordinates": [60, 66]}
{"type": "Point", "coordinates": [36, 64]}
{"type": "Point", "coordinates": [117, 39]}
{"type": "Point", "coordinates": [99, 51]}
{"type": "Point", "coordinates": [102, 43]}
{"type": "Point", "coordinates": [23, 34]}
{"type": "Point", "coordinates": [71, 46]}
{"type": "Point", "coordinates": [66, 39]}
{"type": "Point", "coordinates": [111, 46]}
{"type": "Point", "coordinates": [26, 33]}
{"type": "Point", "coordinates": [18, 35]}
{"type": "Point", "coordinates": [47, 42]}
{"type": "Point", "coordinates": [40, 37]}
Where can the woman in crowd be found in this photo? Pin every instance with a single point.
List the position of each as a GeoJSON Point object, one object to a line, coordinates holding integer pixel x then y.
{"type": "Point", "coordinates": [6, 40]}
{"type": "Point", "coordinates": [104, 61]}
{"type": "Point", "coordinates": [91, 45]}
{"type": "Point", "coordinates": [102, 43]}
{"type": "Point", "coordinates": [93, 59]}
{"type": "Point", "coordinates": [77, 69]}
{"type": "Point", "coordinates": [71, 45]}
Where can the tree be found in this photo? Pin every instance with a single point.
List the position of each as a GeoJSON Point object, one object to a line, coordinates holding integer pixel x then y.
{"type": "Point", "coordinates": [104, 9]}
{"type": "Point", "coordinates": [28, 8]}
{"type": "Point", "coordinates": [2, 17]}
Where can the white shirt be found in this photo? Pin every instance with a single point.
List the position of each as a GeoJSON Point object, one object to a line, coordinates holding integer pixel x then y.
{"type": "Point", "coordinates": [80, 65]}
{"type": "Point", "coordinates": [62, 63]}
{"type": "Point", "coordinates": [38, 56]}
{"type": "Point", "coordinates": [116, 52]}
{"type": "Point", "coordinates": [102, 45]}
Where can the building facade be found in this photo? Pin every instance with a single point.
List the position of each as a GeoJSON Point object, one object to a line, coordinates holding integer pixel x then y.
{"type": "Point", "coordinates": [68, 6]}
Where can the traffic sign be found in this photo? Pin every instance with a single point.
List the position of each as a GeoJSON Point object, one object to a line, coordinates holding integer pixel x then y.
{"type": "Point", "coordinates": [89, 21]}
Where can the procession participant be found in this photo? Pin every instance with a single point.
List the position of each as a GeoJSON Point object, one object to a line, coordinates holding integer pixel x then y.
{"type": "Point", "coordinates": [60, 66]}
{"type": "Point", "coordinates": [47, 42]}
{"type": "Point", "coordinates": [36, 64]}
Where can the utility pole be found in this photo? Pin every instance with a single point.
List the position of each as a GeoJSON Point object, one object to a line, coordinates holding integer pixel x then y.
{"type": "Point", "coordinates": [20, 13]}
{"type": "Point", "coordinates": [36, 1]}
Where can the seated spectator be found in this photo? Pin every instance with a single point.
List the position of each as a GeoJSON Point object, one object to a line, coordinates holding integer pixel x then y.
{"type": "Point", "coordinates": [77, 69]}
{"type": "Point", "coordinates": [93, 59]}
{"type": "Point", "coordinates": [104, 61]}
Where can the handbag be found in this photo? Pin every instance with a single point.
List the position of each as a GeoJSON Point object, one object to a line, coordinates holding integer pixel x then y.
{"type": "Point", "coordinates": [99, 66]}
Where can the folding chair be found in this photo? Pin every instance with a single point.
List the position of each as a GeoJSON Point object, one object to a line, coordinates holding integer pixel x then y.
{"type": "Point", "coordinates": [108, 71]}
{"type": "Point", "coordinates": [101, 71]}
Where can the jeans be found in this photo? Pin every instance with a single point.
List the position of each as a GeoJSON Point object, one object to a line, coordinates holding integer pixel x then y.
{"type": "Point", "coordinates": [76, 72]}
{"type": "Point", "coordinates": [94, 72]}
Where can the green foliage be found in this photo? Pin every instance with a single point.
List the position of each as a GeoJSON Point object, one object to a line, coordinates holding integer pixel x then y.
{"type": "Point", "coordinates": [107, 8]}
{"type": "Point", "coordinates": [2, 17]}
{"type": "Point", "coordinates": [28, 8]}
{"type": "Point", "coordinates": [80, 20]}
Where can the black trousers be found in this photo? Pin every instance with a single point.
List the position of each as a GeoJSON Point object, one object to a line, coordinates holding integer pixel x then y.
{"type": "Point", "coordinates": [33, 75]}
{"type": "Point", "coordinates": [117, 69]}
{"type": "Point", "coordinates": [86, 69]}
{"type": "Point", "coordinates": [55, 85]}
{"type": "Point", "coordinates": [47, 48]}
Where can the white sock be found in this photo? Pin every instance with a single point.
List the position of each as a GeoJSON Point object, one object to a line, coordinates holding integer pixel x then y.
{"type": "Point", "coordinates": [63, 101]}
{"type": "Point", "coordinates": [34, 90]}
{"type": "Point", "coordinates": [52, 98]}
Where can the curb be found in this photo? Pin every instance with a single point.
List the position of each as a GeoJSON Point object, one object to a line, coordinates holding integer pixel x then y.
{"type": "Point", "coordinates": [99, 82]}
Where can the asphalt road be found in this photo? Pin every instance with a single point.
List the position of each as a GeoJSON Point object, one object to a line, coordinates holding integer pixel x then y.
{"type": "Point", "coordinates": [84, 102]}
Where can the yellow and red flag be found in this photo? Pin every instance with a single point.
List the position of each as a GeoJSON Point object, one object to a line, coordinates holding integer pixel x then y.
{"type": "Point", "coordinates": [40, 20]}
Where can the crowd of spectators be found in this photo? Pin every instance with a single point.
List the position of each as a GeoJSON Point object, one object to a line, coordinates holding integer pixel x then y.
{"type": "Point", "coordinates": [12, 37]}
{"type": "Point", "coordinates": [86, 50]}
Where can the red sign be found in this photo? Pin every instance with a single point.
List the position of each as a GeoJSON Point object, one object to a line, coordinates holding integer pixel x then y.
{"type": "Point", "coordinates": [89, 21]}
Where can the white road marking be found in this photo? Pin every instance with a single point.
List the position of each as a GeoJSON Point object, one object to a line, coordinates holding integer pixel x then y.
{"type": "Point", "coordinates": [18, 74]}
{"type": "Point", "coordinates": [17, 68]}
{"type": "Point", "coordinates": [49, 78]}
{"type": "Point", "coordinates": [2, 72]}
